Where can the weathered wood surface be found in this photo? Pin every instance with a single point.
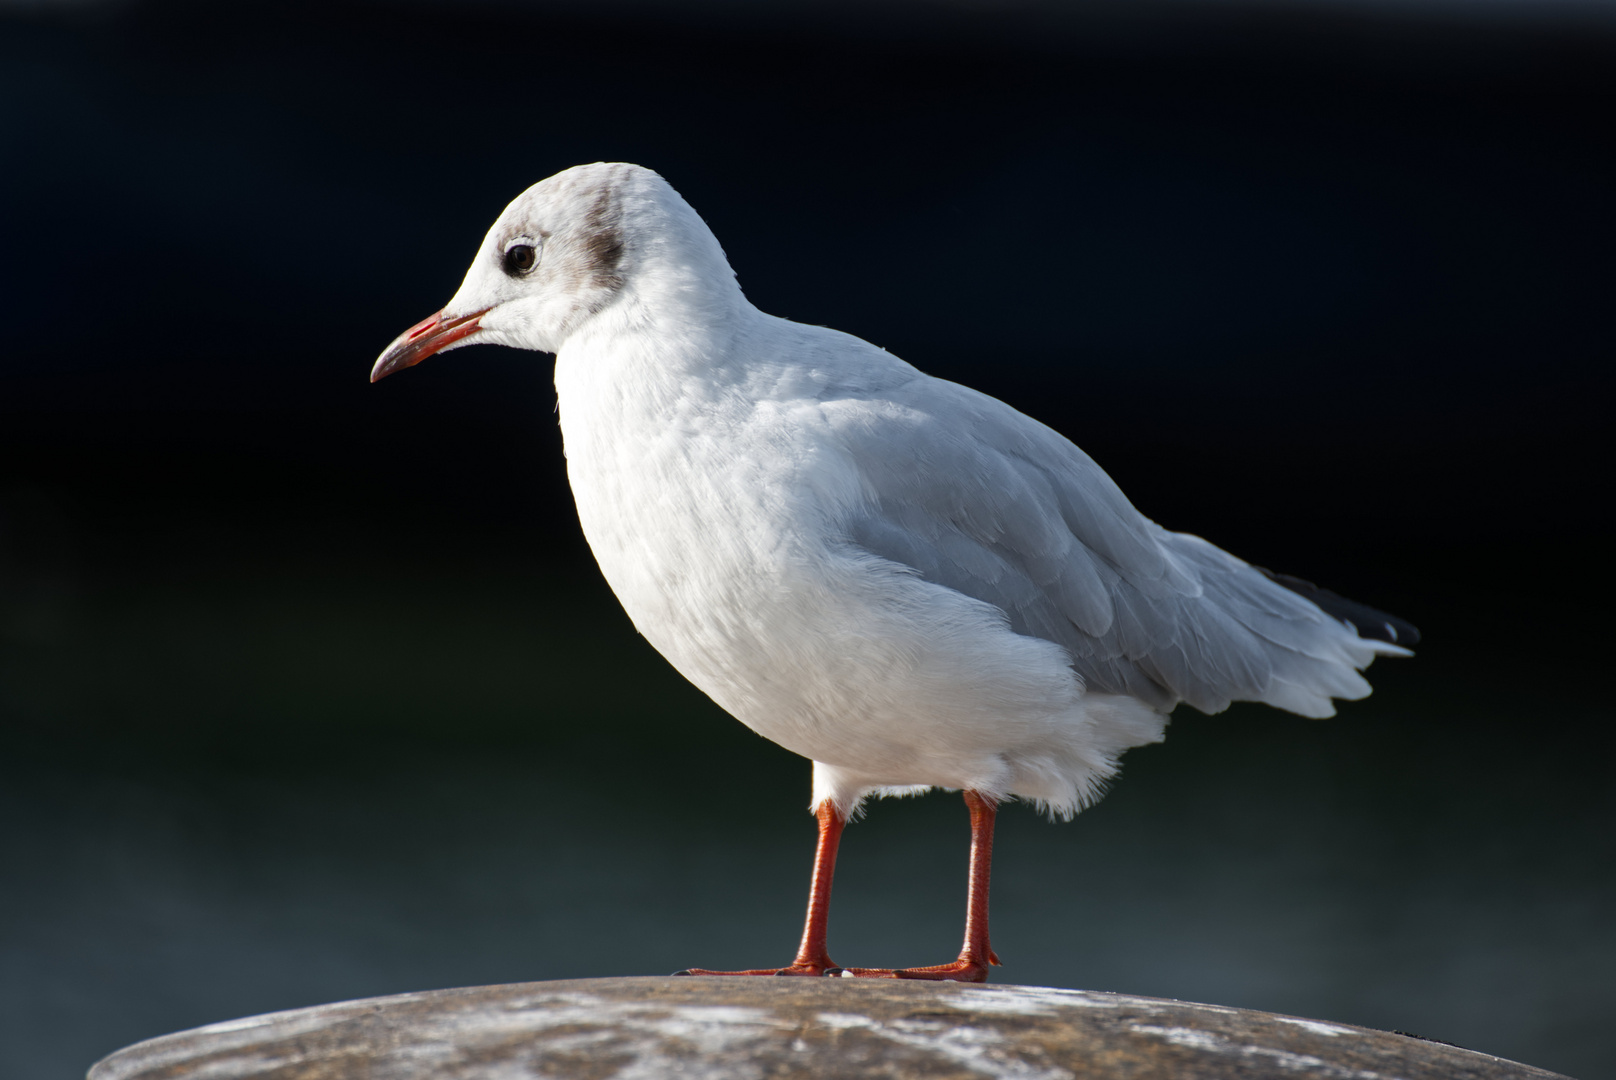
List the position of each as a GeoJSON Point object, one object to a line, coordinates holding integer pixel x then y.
{"type": "Point", "coordinates": [760, 1028]}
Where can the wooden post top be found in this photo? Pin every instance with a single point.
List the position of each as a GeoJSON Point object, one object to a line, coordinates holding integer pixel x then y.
{"type": "Point", "coordinates": [786, 1028]}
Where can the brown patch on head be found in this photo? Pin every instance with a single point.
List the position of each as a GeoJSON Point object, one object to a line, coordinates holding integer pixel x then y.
{"type": "Point", "coordinates": [602, 243]}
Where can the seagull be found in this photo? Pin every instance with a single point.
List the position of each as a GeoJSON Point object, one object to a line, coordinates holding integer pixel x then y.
{"type": "Point", "coordinates": [900, 578]}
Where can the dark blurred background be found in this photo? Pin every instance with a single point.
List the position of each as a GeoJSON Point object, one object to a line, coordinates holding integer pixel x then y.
{"type": "Point", "coordinates": [310, 689]}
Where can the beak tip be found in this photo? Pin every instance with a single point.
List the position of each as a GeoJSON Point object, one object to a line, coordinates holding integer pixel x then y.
{"type": "Point", "coordinates": [420, 341]}
{"type": "Point", "coordinates": [386, 364]}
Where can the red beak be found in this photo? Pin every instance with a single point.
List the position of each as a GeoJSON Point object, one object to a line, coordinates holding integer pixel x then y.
{"type": "Point", "coordinates": [420, 341]}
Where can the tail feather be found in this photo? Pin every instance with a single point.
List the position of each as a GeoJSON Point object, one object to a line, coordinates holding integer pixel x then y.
{"type": "Point", "coordinates": [1367, 621]}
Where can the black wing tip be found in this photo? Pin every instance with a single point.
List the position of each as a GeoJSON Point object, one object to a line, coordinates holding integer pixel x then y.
{"type": "Point", "coordinates": [1367, 622]}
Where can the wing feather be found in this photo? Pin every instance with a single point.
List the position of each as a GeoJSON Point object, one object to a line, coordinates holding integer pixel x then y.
{"type": "Point", "coordinates": [972, 495]}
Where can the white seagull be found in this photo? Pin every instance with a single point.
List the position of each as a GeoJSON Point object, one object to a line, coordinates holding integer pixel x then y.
{"type": "Point", "coordinates": [905, 580]}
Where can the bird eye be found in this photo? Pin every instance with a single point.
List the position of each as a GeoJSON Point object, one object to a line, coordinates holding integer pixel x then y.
{"type": "Point", "coordinates": [520, 258]}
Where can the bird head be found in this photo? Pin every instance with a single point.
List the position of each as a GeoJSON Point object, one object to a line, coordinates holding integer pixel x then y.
{"type": "Point", "coordinates": [565, 250]}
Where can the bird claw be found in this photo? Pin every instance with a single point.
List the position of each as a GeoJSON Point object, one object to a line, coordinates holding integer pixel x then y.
{"type": "Point", "coordinates": [794, 969]}
{"type": "Point", "coordinates": [962, 970]}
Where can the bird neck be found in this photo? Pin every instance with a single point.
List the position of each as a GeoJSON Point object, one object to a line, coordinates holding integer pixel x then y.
{"type": "Point", "coordinates": [656, 351]}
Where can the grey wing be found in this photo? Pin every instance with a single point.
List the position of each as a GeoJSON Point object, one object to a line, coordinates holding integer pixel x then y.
{"type": "Point", "coordinates": [978, 497]}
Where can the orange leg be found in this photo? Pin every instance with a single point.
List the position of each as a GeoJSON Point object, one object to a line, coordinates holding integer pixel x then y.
{"type": "Point", "coordinates": [976, 955]}
{"type": "Point", "coordinates": [812, 958]}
